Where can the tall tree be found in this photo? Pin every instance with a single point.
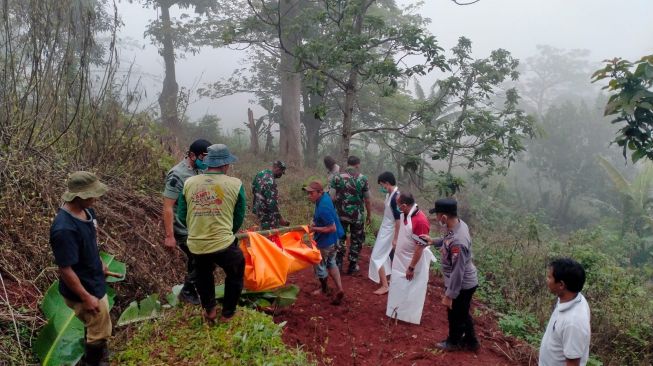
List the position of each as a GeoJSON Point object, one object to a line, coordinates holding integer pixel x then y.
{"type": "Point", "coordinates": [170, 36]}
{"type": "Point", "coordinates": [290, 148]}
{"type": "Point", "coordinates": [364, 42]}
{"type": "Point", "coordinates": [479, 133]}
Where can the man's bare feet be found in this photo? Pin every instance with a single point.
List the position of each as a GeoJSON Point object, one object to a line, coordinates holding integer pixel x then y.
{"type": "Point", "coordinates": [224, 319]}
{"type": "Point", "coordinates": [210, 315]}
{"type": "Point", "coordinates": [381, 290]}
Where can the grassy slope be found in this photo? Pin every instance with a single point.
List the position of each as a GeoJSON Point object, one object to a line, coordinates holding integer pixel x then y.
{"type": "Point", "coordinates": [181, 337]}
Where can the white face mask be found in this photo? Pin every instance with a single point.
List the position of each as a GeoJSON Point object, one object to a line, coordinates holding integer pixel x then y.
{"type": "Point", "coordinates": [442, 223]}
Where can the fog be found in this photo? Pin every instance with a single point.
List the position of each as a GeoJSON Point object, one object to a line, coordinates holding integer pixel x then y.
{"type": "Point", "coordinates": [606, 28]}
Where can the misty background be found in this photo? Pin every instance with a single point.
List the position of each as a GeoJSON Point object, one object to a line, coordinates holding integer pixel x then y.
{"type": "Point", "coordinates": [605, 28]}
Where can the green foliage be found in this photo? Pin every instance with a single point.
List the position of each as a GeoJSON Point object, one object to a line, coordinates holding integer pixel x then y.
{"type": "Point", "coordinates": [182, 337]}
{"type": "Point", "coordinates": [631, 100]}
{"type": "Point", "coordinates": [61, 340]}
{"type": "Point", "coordinates": [280, 297]}
{"type": "Point", "coordinates": [523, 326]}
{"type": "Point", "coordinates": [448, 184]}
{"type": "Point", "coordinates": [146, 309]}
{"type": "Point", "coordinates": [114, 266]}
{"type": "Point", "coordinates": [512, 251]}
{"type": "Point", "coordinates": [477, 133]}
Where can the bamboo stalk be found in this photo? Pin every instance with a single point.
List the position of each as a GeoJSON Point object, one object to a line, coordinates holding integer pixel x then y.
{"type": "Point", "coordinates": [271, 232]}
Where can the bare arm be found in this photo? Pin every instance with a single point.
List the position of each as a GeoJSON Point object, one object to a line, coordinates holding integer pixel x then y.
{"type": "Point", "coordinates": [416, 257]}
{"type": "Point", "coordinates": [574, 362]}
{"type": "Point", "coordinates": [324, 229]}
{"type": "Point", "coordinates": [368, 208]}
{"type": "Point", "coordinates": [168, 217]}
{"type": "Point", "coordinates": [396, 234]}
{"type": "Point", "coordinates": [69, 277]}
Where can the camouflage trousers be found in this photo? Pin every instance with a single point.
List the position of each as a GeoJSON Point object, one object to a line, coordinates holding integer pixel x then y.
{"type": "Point", "coordinates": [268, 221]}
{"type": "Point", "coordinates": [357, 238]}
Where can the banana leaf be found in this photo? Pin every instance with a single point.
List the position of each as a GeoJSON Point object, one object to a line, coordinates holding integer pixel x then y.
{"type": "Point", "coordinates": [61, 341]}
{"type": "Point", "coordinates": [283, 296]}
{"type": "Point", "coordinates": [114, 266]}
{"type": "Point", "coordinates": [173, 297]}
{"type": "Point", "coordinates": [286, 296]}
{"type": "Point", "coordinates": [148, 308]}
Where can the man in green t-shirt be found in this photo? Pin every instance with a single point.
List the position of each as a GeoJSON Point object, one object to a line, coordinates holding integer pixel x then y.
{"type": "Point", "coordinates": [212, 206]}
{"type": "Point", "coordinates": [176, 233]}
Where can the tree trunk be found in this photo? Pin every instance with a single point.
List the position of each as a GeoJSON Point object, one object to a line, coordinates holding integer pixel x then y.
{"type": "Point", "coordinates": [253, 133]}
{"type": "Point", "coordinates": [348, 112]}
{"type": "Point", "coordinates": [312, 127]}
{"type": "Point", "coordinates": [168, 96]}
{"type": "Point", "coordinates": [290, 148]}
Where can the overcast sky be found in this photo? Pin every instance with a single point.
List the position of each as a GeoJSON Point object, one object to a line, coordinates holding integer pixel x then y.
{"type": "Point", "coordinates": [607, 28]}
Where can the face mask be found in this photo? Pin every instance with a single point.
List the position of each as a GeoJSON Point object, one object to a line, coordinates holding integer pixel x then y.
{"type": "Point", "coordinates": [200, 165]}
{"type": "Point", "coordinates": [383, 190]}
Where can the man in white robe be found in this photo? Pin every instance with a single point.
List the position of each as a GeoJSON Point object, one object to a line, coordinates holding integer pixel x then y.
{"type": "Point", "coordinates": [410, 266]}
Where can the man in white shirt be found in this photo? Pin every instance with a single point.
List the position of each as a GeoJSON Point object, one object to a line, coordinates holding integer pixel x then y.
{"type": "Point", "coordinates": [566, 341]}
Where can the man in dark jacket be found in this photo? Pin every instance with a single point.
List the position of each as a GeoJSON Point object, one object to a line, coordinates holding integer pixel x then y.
{"type": "Point", "coordinates": [460, 277]}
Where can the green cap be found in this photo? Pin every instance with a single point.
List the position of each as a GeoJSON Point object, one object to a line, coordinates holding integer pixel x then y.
{"type": "Point", "coordinates": [83, 185]}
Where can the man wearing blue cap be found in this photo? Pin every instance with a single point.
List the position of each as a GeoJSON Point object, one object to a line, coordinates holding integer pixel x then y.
{"type": "Point", "coordinates": [460, 277]}
{"type": "Point", "coordinates": [212, 206]}
{"type": "Point", "coordinates": [176, 233]}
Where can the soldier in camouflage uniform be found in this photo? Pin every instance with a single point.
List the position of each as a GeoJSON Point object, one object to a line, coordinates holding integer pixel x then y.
{"type": "Point", "coordinates": [266, 197]}
{"type": "Point", "coordinates": [350, 190]}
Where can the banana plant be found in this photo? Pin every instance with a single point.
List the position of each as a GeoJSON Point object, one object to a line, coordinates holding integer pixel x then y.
{"type": "Point", "coordinates": [61, 340]}
{"type": "Point", "coordinates": [636, 195]}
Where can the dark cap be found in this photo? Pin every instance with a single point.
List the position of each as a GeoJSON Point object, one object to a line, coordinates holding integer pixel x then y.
{"type": "Point", "coordinates": [447, 206]}
{"type": "Point", "coordinates": [280, 164]}
{"type": "Point", "coordinates": [314, 186]}
{"type": "Point", "coordinates": [199, 147]}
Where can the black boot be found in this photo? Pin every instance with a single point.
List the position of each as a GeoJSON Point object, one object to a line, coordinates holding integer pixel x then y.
{"type": "Point", "coordinates": [95, 354]}
{"type": "Point", "coordinates": [324, 284]}
{"type": "Point", "coordinates": [353, 268]}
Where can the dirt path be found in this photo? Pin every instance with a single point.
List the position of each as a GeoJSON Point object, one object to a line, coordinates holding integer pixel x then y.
{"type": "Point", "coordinates": [358, 332]}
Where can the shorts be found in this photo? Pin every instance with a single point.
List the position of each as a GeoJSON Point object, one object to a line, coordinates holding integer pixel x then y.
{"type": "Point", "coordinates": [328, 261]}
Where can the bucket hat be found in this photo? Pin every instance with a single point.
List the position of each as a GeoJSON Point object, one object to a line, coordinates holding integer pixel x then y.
{"type": "Point", "coordinates": [219, 155]}
{"type": "Point", "coordinates": [83, 185]}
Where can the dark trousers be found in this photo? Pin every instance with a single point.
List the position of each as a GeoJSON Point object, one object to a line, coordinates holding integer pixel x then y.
{"type": "Point", "coordinates": [461, 325]}
{"type": "Point", "coordinates": [191, 273]}
{"type": "Point", "coordinates": [357, 238]}
{"type": "Point", "coordinates": [232, 261]}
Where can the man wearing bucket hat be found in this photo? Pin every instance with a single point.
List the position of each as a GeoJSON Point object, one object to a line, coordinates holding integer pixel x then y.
{"type": "Point", "coordinates": [212, 206]}
{"type": "Point", "coordinates": [460, 276]}
{"type": "Point", "coordinates": [176, 233]}
{"type": "Point", "coordinates": [265, 203]}
{"type": "Point", "coordinates": [73, 239]}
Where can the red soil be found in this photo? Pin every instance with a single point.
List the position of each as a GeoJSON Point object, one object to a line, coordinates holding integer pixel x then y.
{"type": "Point", "coordinates": [358, 333]}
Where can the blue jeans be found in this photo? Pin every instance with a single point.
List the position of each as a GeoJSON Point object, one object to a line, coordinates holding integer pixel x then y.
{"type": "Point", "coordinates": [328, 261]}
